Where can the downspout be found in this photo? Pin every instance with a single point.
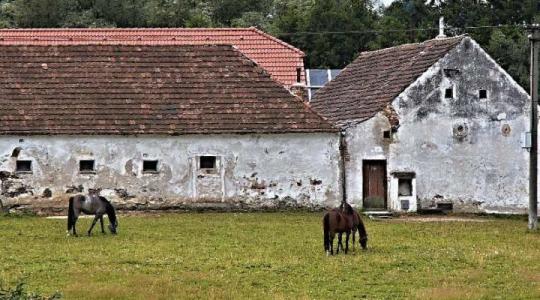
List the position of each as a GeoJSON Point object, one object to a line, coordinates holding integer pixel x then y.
{"type": "Point", "coordinates": [342, 155]}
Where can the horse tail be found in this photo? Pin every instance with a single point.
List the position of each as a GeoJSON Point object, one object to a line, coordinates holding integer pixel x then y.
{"type": "Point", "coordinates": [109, 208]}
{"type": "Point", "coordinates": [326, 231]}
{"type": "Point", "coordinates": [71, 214]}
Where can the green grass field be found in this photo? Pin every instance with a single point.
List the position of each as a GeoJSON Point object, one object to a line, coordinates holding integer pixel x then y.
{"type": "Point", "coordinates": [268, 256]}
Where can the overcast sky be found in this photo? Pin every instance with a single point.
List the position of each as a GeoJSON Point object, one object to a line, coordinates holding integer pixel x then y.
{"type": "Point", "coordinates": [386, 2]}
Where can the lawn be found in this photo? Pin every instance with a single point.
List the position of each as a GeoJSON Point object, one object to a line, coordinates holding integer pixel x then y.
{"type": "Point", "coordinates": [271, 255]}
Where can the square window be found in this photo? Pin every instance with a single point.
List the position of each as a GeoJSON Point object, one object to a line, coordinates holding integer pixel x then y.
{"type": "Point", "coordinates": [405, 187]}
{"type": "Point", "coordinates": [449, 93]}
{"type": "Point", "coordinates": [207, 162]}
{"type": "Point", "coordinates": [23, 166]}
{"type": "Point", "coordinates": [386, 134]}
{"type": "Point", "coordinates": [86, 166]}
{"type": "Point", "coordinates": [482, 94]}
{"type": "Point", "coordinates": [150, 166]}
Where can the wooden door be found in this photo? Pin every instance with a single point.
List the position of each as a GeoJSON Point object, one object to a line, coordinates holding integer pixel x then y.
{"type": "Point", "coordinates": [374, 174]}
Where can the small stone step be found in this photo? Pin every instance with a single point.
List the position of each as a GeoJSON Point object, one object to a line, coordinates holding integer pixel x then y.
{"type": "Point", "coordinates": [378, 214]}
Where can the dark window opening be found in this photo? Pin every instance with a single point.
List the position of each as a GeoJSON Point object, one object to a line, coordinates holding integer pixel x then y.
{"type": "Point", "coordinates": [386, 134]}
{"type": "Point", "coordinates": [405, 187]}
{"type": "Point", "coordinates": [86, 166]}
{"type": "Point", "coordinates": [449, 93]}
{"type": "Point", "coordinates": [207, 162]}
{"type": "Point", "coordinates": [150, 166]}
{"type": "Point", "coordinates": [298, 74]}
{"type": "Point", "coordinates": [23, 166]}
{"type": "Point", "coordinates": [482, 94]}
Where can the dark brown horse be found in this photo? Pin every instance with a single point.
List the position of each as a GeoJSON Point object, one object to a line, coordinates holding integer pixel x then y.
{"type": "Point", "coordinates": [358, 225]}
{"type": "Point", "coordinates": [338, 222]}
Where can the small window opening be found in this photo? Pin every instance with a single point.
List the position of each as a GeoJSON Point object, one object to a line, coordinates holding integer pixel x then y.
{"type": "Point", "coordinates": [386, 134]}
{"type": "Point", "coordinates": [449, 93]}
{"type": "Point", "coordinates": [207, 162]}
{"type": "Point", "coordinates": [482, 94]}
{"type": "Point", "coordinates": [298, 74]}
{"type": "Point", "coordinates": [405, 187]}
{"type": "Point", "coordinates": [23, 166]}
{"type": "Point", "coordinates": [86, 166]}
{"type": "Point", "coordinates": [150, 166]}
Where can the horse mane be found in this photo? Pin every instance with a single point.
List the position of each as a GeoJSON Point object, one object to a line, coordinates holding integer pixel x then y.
{"type": "Point", "coordinates": [110, 210]}
{"type": "Point", "coordinates": [346, 208]}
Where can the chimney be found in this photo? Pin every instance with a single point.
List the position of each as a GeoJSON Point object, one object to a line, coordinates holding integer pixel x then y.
{"type": "Point", "coordinates": [299, 90]}
{"type": "Point", "coordinates": [441, 28]}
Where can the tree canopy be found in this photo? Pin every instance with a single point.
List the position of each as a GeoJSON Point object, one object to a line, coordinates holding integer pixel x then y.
{"type": "Point", "coordinates": [331, 33]}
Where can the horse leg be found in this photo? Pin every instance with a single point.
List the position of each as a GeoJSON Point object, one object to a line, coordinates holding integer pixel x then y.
{"type": "Point", "coordinates": [338, 242]}
{"type": "Point", "coordinates": [341, 243]}
{"type": "Point", "coordinates": [75, 223]}
{"type": "Point", "coordinates": [353, 234]}
{"type": "Point", "coordinates": [347, 241]}
{"type": "Point", "coordinates": [92, 226]}
{"type": "Point", "coordinates": [332, 235]}
{"type": "Point", "coordinates": [101, 221]}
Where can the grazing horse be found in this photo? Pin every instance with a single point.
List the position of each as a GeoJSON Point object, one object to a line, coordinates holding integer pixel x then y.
{"type": "Point", "coordinates": [91, 204]}
{"type": "Point", "coordinates": [358, 225]}
{"type": "Point", "coordinates": [337, 221]}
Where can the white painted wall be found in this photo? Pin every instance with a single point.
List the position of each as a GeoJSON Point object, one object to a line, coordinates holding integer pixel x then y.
{"type": "Point", "coordinates": [254, 170]}
{"type": "Point", "coordinates": [485, 171]}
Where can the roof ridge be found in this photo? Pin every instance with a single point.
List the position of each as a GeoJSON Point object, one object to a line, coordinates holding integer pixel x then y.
{"type": "Point", "coordinates": [127, 29]}
{"type": "Point", "coordinates": [398, 47]}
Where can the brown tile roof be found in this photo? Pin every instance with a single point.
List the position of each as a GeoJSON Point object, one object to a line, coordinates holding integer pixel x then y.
{"type": "Point", "coordinates": [279, 58]}
{"type": "Point", "coordinates": [131, 89]}
{"type": "Point", "coordinates": [376, 78]}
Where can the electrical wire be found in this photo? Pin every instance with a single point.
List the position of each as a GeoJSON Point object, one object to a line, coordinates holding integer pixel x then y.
{"type": "Point", "coordinates": [395, 30]}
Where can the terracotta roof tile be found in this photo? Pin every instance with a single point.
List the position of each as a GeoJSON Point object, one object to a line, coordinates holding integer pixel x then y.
{"type": "Point", "coordinates": [279, 58]}
{"type": "Point", "coordinates": [376, 78]}
{"type": "Point", "coordinates": [141, 89]}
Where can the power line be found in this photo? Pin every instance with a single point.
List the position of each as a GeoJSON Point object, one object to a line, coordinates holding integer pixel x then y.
{"type": "Point", "coordinates": [394, 30]}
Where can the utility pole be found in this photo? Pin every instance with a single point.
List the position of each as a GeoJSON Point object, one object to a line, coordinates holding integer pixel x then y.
{"type": "Point", "coordinates": [534, 38]}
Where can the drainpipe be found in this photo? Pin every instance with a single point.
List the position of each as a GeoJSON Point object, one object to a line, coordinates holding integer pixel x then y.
{"type": "Point", "coordinates": [342, 153]}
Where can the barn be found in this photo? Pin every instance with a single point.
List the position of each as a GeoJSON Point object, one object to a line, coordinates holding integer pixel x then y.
{"type": "Point", "coordinates": [158, 126]}
{"type": "Point", "coordinates": [437, 125]}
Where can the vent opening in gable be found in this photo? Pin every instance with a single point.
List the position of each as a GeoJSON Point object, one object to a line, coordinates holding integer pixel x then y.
{"type": "Point", "coordinates": [449, 93]}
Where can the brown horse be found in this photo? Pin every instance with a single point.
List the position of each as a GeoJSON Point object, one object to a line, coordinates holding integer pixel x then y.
{"type": "Point", "coordinates": [338, 222]}
{"type": "Point", "coordinates": [358, 225]}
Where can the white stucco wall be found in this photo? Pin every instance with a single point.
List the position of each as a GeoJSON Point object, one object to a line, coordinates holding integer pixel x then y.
{"type": "Point", "coordinates": [253, 170]}
{"type": "Point", "coordinates": [482, 169]}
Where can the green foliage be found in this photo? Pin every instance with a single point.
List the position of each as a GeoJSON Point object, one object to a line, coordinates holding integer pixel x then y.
{"type": "Point", "coordinates": [19, 292]}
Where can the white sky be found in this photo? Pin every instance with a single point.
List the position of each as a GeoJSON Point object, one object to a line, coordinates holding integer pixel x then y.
{"type": "Point", "coordinates": [386, 2]}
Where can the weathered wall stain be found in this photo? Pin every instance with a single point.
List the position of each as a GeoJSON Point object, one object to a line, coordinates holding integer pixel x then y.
{"type": "Point", "coordinates": [252, 170]}
{"type": "Point", "coordinates": [465, 151]}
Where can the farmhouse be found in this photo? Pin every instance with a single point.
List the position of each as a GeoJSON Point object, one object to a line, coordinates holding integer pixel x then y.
{"type": "Point", "coordinates": [282, 61]}
{"type": "Point", "coordinates": [157, 126]}
{"type": "Point", "coordinates": [436, 124]}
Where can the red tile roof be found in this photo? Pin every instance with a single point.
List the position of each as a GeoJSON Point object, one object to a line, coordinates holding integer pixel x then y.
{"type": "Point", "coordinates": [280, 59]}
{"type": "Point", "coordinates": [376, 78]}
{"type": "Point", "coordinates": [140, 89]}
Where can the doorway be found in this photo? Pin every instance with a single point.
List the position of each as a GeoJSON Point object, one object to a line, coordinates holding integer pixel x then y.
{"type": "Point", "coordinates": [374, 184]}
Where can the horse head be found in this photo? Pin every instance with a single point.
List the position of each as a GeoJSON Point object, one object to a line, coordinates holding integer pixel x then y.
{"type": "Point", "coordinates": [112, 227]}
{"type": "Point", "coordinates": [363, 242]}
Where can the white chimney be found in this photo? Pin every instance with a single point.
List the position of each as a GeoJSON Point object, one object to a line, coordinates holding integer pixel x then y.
{"type": "Point", "coordinates": [441, 28]}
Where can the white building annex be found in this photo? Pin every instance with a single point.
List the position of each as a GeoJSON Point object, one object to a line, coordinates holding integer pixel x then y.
{"type": "Point", "coordinates": [434, 125]}
{"type": "Point", "coordinates": [158, 126]}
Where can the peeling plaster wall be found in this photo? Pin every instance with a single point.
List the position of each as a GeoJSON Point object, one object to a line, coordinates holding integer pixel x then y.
{"type": "Point", "coordinates": [298, 170]}
{"type": "Point", "coordinates": [465, 151]}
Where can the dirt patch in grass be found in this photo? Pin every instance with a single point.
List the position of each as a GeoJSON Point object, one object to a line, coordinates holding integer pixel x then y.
{"type": "Point", "coordinates": [425, 219]}
{"type": "Point", "coordinates": [449, 293]}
